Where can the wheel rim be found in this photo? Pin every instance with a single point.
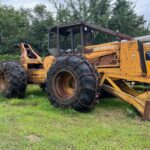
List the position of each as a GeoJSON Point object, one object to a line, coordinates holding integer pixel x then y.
{"type": "Point", "coordinates": [2, 82]}
{"type": "Point", "coordinates": [64, 85]}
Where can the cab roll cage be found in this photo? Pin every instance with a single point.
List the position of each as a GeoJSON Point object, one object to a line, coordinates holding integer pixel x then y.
{"type": "Point", "coordinates": [65, 29]}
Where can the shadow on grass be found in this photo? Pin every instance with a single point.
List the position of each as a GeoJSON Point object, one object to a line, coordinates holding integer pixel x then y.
{"type": "Point", "coordinates": [115, 104]}
{"type": "Point", "coordinates": [33, 90]}
{"type": "Point", "coordinates": [2, 99]}
{"type": "Point", "coordinates": [19, 102]}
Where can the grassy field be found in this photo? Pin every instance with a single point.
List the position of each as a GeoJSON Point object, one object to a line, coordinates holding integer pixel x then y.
{"type": "Point", "coordinates": [34, 124]}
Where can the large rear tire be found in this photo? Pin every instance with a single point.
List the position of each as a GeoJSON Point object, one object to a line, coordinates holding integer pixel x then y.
{"type": "Point", "coordinates": [13, 80]}
{"type": "Point", "coordinates": [72, 83]}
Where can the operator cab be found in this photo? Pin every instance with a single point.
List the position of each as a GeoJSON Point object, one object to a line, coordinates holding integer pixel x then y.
{"type": "Point", "coordinates": [73, 38]}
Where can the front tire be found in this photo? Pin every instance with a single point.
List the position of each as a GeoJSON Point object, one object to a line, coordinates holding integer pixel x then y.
{"type": "Point", "coordinates": [71, 83]}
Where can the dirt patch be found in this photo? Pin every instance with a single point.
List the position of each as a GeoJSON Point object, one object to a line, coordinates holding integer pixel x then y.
{"type": "Point", "coordinates": [34, 138]}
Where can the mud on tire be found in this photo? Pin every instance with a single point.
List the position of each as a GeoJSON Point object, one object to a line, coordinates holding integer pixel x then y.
{"type": "Point", "coordinates": [13, 80]}
{"type": "Point", "coordinates": [71, 83]}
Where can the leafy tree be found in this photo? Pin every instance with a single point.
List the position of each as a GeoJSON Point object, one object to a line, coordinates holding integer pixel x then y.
{"type": "Point", "coordinates": [13, 25]}
{"type": "Point", "coordinates": [124, 19]}
{"type": "Point", "coordinates": [99, 11]}
{"type": "Point", "coordinates": [96, 11]}
{"type": "Point", "coordinates": [32, 25]}
{"type": "Point", "coordinates": [24, 25]}
{"type": "Point", "coordinates": [63, 15]}
{"type": "Point", "coordinates": [42, 20]}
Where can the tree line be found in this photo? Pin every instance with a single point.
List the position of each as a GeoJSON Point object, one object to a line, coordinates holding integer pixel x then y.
{"type": "Point", "coordinates": [31, 25]}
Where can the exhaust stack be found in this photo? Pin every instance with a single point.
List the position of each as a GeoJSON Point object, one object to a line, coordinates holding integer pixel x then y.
{"type": "Point", "coordinates": [143, 39]}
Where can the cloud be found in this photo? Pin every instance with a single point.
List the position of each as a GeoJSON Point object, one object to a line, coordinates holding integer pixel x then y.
{"type": "Point", "coordinates": [142, 8]}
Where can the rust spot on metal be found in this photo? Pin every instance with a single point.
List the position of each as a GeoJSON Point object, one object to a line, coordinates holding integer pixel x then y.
{"type": "Point", "coordinates": [105, 60]}
{"type": "Point", "coordinates": [65, 85]}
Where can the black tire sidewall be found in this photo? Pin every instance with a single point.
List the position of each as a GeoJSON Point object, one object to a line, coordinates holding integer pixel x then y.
{"type": "Point", "coordinates": [16, 79]}
{"type": "Point", "coordinates": [68, 63]}
{"type": "Point", "coordinates": [71, 99]}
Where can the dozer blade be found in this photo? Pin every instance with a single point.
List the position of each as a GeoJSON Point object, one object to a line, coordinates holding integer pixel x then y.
{"type": "Point", "coordinates": [146, 115]}
{"type": "Point", "coordinates": [140, 101]}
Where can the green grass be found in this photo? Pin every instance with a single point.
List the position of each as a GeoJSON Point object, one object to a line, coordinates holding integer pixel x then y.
{"type": "Point", "coordinates": [34, 124]}
{"type": "Point", "coordinates": [9, 57]}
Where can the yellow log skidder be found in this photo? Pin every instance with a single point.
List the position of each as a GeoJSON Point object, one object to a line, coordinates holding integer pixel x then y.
{"type": "Point", "coordinates": [79, 68]}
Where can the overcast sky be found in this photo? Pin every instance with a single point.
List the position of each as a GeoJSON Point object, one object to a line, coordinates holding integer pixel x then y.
{"type": "Point", "coordinates": [142, 6]}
